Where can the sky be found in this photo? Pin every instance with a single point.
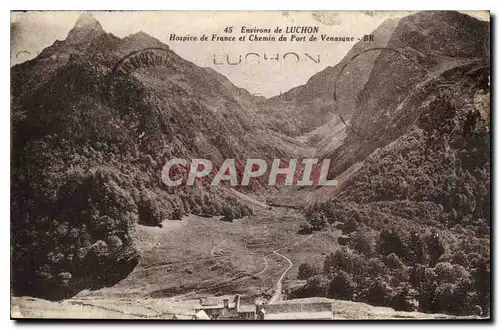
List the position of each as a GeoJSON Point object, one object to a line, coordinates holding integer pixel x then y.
{"type": "Point", "coordinates": [33, 31]}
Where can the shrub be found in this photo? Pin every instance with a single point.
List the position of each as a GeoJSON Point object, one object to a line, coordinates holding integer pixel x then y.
{"type": "Point", "coordinates": [427, 296]}
{"type": "Point", "coordinates": [435, 247]}
{"type": "Point", "coordinates": [390, 242]}
{"type": "Point", "coordinates": [378, 293]}
{"type": "Point", "coordinates": [363, 241]}
{"type": "Point", "coordinates": [344, 259]}
{"type": "Point", "coordinates": [305, 271]}
{"type": "Point", "coordinates": [317, 221]}
{"type": "Point", "coordinates": [416, 248]}
{"type": "Point", "coordinates": [459, 258]}
{"type": "Point", "coordinates": [404, 300]}
{"type": "Point", "coordinates": [376, 267]}
{"type": "Point", "coordinates": [448, 273]}
{"type": "Point", "coordinates": [349, 226]}
{"type": "Point", "coordinates": [341, 286]}
{"type": "Point", "coordinates": [392, 261]}
{"type": "Point", "coordinates": [149, 212]}
{"type": "Point", "coordinates": [417, 273]}
{"type": "Point", "coordinates": [481, 278]}
{"type": "Point", "coordinates": [455, 298]}
{"type": "Point", "coordinates": [316, 286]}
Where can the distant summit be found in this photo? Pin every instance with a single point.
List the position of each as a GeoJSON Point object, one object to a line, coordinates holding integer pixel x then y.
{"type": "Point", "coordinates": [86, 19]}
{"type": "Point", "coordinates": [86, 29]}
{"type": "Point", "coordinates": [140, 40]}
{"type": "Point", "coordinates": [83, 33]}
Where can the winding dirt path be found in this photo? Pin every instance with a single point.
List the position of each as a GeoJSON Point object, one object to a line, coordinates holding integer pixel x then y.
{"type": "Point", "coordinates": [279, 283]}
{"type": "Point", "coordinates": [266, 264]}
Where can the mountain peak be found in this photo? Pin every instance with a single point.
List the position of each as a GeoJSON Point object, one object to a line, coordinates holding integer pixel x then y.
{"type": "Point", "coordinates": [86, 20]}
{"type": "Point", "coordinates": [141, 40]}
{"type": "Point", "coordinates": [86, 28]}
{"type": "Point", "coordinates": [141, 35]}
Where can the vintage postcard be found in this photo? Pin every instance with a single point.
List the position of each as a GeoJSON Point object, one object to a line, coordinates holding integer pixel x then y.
{"type": "Point", "coordinates": [245, 165]}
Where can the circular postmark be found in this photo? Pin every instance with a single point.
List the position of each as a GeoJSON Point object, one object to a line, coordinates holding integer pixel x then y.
{"type": "Point", "coordinates": [146, 57]}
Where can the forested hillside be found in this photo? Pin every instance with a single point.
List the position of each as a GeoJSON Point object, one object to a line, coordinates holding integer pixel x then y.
{"type": "Point", "coordinates": [416, 216]}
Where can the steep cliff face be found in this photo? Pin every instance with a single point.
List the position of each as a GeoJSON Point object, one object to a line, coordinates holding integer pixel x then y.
{"type": "Point", "coordinates": [427, 52]}
{"type": "Point", "coordinates": [304, 108]}
{"type": "Point", "coordinates": [435, 43]}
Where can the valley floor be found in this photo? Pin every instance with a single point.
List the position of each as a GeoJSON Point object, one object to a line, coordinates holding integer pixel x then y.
{"type": "Point", "coordinates": [257, 257]}
{"type": "Point", "coordinates": [196, 257]}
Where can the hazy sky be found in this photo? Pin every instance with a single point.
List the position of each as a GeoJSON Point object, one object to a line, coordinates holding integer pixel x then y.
{"type": "Point", "coordinates": [33, 31]}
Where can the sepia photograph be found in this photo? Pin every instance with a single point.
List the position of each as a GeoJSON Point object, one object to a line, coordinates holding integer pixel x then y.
{"type": "Point", "coordinates": [250, 165]}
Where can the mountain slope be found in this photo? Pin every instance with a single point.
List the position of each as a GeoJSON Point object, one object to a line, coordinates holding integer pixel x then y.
{"type": "Point", "coordinates": [415, 213]}
{"type": "Point", "coordinates": [94, 119]}
{"type": "Point", "coordinates": [440, 48]}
